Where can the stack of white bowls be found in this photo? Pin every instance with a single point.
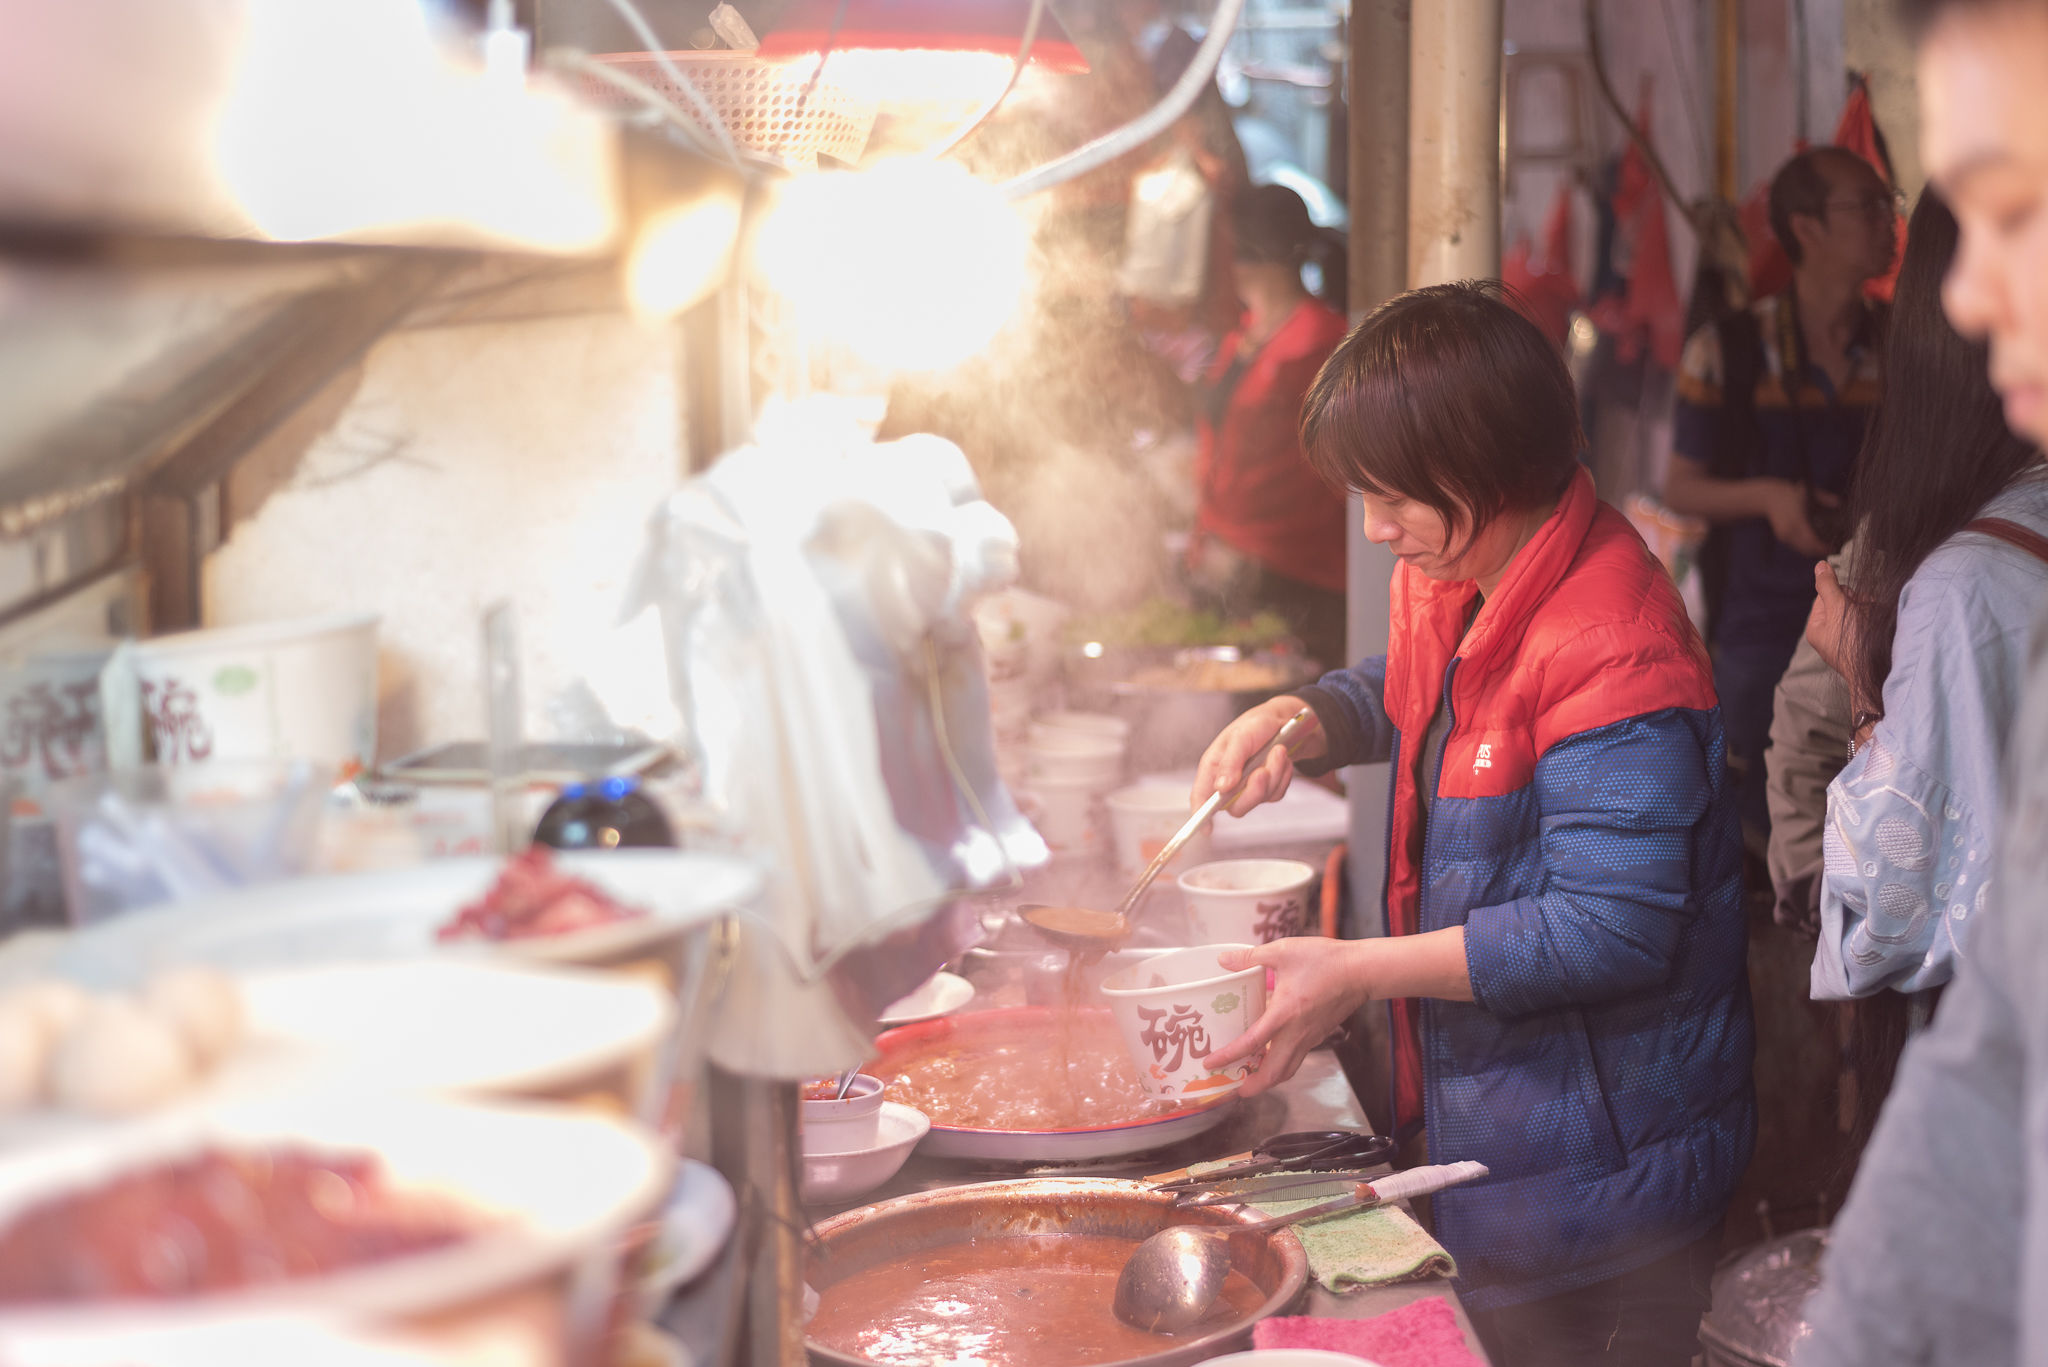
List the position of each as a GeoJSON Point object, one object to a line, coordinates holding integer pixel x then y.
{"type": "Point", "coordinates": [1071, 760]}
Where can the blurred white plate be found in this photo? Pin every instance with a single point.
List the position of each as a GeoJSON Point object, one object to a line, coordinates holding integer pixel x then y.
{"type": "Point", "coordinates": [429, 1025]}
{"type": "Point", "coordinates": [454, 1025]}
{"type": "Point", "coordinates": [394, 915]}
{"type": "Point", "coordinates": [298, 1339]}
{"type": "Point", "coordinates": [841, 1176]}
{"type": "Point", "coordinates": [692, 1230]}
{"type": "Point", "coordinates": [941, 995]}
{"type": "Point", "coordinates": [546, 1185]}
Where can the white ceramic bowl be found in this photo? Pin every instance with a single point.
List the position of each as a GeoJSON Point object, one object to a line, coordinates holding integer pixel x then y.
{"type": "Point", "coordinates": [52, 699]}
{"type": "Point", "coordinates": [1143, 818]}
{"type": "Point", "coordinates": [303, 689]}
{"type": "Point", "coordinates": [842, 1176]}
{"type": "Point", "coordinates": [548, 1187]}
{"type": "Point", "coordinates": [1248, 901]}
{"type": "Point", "coordinates": [941, 995]}
{"type": "Point", "coordinates": [1176, 1008]}
{"type": "Point", "coordinates": [1096, 725]}
{"type": "Point", "coordinates": [846, 1124]}
{"type": "Point", "coordinates": [1068, 815]}
{"type": "Point", "coordinates": [692, 1228]}
{"type": "Point", "coordinates": [1065, 757]}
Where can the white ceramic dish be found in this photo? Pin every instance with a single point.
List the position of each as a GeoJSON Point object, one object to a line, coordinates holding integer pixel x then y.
{"type": "Point", "coordinates": [552, 1185]}
{"type": "Point", "coordinates": [1067, 816]}
{"type": "Point", "coordinates": [395, 915]}
{"type": "Point", "coordinates": [1100, 725]}
{"type": "Point", "coordinates": [1247, 901]}
{"type": "Point", "coordinates": [972, 1029]}
{"type": "Point", "coordinates": [1291, 1357]}
{"type": "Point", "coordinates": [842, 1124]}
{"type": "Point", "coordinates": [275, 1340]}
{"type": "Point", "coordinates": [1076, 1146]}
{"type": "Point", "coordinates": [1069, 757]}
{"type": "Point", "coordinates": [455, 1025]}
{"type": "Point", "coordinates": [691, 1231]}
{"type": "Point", "coordinates": [842, 1176]}
{"type": "Point", "coordinates": [1142, 818]}
{"type": "Point", "coordinates": [941, 995]}
{"type": "Point", "coordinates": [431, 1025]}
{"type": "Point", "coordinates": [1178, 1007]}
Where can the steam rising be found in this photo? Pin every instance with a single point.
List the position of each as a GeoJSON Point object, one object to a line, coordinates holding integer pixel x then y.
{"type": "Point", "coordinates": [1065, 414]}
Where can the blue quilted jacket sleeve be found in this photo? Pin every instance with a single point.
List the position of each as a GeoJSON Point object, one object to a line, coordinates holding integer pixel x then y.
{"type": "Point", "coordinates": [1619, 805]}
{"type": "Point", "coordinates": [1351, 706]}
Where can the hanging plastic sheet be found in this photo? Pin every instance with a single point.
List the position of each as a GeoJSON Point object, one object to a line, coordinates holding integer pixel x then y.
{"type": "Point", "coordinates": [814, 592]}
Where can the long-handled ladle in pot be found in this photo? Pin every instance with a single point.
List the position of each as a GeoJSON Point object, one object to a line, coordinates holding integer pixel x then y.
{"type": "Point", "coordinates": [1175, 1277]}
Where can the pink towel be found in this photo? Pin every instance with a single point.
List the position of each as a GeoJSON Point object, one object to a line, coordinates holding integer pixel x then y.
{"type": "Point", "coordinates": [1423, 1334]}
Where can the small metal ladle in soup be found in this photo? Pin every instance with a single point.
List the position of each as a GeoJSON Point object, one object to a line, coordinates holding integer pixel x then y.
{"type": "Point", "coordinates": [1084, 931]}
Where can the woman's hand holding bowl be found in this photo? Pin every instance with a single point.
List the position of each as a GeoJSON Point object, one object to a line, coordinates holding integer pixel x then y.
{"type": "Point", "coordinates": [1316, 986]}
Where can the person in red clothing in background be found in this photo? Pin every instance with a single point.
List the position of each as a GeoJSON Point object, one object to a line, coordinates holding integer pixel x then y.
{"type": "Point", "coordinates": [1269, 533]}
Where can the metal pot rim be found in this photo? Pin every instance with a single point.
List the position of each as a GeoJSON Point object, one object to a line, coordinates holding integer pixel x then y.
{"type": "Point", "coordinates": [1292, 1283]}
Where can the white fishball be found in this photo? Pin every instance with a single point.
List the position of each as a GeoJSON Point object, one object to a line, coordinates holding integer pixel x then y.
{"type": "Point", "coordinates": [119, 1059]}
{"type": "Point", "coordinates": [203, 1004]}
{"type": "Point", "coordinates": [56, 1002]}
{"type": "Point", "coordinates": [24, 1056]}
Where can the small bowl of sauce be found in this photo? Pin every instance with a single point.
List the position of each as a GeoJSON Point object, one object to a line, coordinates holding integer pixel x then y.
{"type": "Point", "coordinates": [844, 1124]}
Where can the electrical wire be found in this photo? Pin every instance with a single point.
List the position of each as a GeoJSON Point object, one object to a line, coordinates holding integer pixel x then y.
{"type": "Point", "coordinates": [649, 97]}
{"type": "Point", "coordinates": [1141, 130]}
{"type": "Point", "coordinates": [1803, 125]}
{"type": "Point", "coordinates": [635, 20]}
{"type": "Point", "coordinates": [1688, 92]}
{"type": "Point", "coordinates": [988, 110]}
{"type": "Point", "coordinates": [817, 72]}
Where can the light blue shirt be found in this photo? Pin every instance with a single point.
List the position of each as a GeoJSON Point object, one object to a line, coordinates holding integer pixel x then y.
{"type": "Point", "coordinates": [1908, 843]}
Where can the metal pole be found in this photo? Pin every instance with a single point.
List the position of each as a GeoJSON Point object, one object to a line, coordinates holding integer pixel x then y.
{"type": "Point", "coordinates": [1727, 91]}
{"type": "Point", "coordinates": [754, 1143]}
{"type": "Point", "coordinates": [1379, 152]}
{"type": "Point", "coordinates": [1379, 270]}
{"type": "Point", "coordinates": [1454, 142]}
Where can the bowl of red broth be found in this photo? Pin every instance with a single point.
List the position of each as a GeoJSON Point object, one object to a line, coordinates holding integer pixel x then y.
{"type": "Point", "coordinates": [1022, 1274]}
{"type": "Point", "coordinates": [362, 1209]}
{"type": "Point", "coordinates": [1032, 1084]}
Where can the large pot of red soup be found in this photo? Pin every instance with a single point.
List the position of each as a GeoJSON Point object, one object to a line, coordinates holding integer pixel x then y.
{"type": "Point", "coordinates": [1021, 1274]}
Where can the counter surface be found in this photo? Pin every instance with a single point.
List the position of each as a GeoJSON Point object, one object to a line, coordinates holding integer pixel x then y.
{"type": "Point", "coordinates": [1315, 1098]}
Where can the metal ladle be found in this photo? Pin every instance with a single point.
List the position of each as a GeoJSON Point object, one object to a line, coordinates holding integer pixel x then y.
{"type": "Point", "coordinates": [1174, 1279]}
{"type": "Point", "coordinates": [1086, 931]}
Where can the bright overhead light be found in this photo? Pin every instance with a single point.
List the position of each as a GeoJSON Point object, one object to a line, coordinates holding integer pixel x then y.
{"type": "Point", "coordinates": [914, 265]}
{"type": "Point", "coordinates": [680, 255]}
{"type": "Point", "coordinates": [345, 120]}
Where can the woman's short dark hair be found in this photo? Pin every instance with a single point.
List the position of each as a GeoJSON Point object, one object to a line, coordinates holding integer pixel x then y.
{"type": "Point", "coordinates": [1450, 397]}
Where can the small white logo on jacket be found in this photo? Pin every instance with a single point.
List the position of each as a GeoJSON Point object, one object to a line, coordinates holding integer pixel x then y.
{"type": "Point", "coordinates": [1485, 760]}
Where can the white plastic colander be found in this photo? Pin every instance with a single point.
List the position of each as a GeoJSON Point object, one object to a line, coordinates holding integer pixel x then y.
{"type": "Point", "coordinates": [762, 102]}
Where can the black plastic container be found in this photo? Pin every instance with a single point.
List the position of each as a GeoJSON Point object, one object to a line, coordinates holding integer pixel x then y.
{"type": "Point", "coordinates": [610, 814]}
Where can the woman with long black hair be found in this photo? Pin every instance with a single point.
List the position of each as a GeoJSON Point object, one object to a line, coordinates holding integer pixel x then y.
{"type": "Point", "coordinates": [1951, 511]}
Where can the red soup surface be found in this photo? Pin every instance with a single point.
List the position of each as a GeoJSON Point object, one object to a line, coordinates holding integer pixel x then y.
{"type": "Point", "coordinates": [1070, 1071]}
{"type": "Point", "coordinates": [1037, 1301]}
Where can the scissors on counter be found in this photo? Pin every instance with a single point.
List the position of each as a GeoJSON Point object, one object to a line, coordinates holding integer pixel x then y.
{"type": "Point", "coordinates": [1303, 1157]}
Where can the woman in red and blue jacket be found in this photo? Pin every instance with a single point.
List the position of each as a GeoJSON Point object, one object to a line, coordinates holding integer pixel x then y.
{"type": "Point", "coordinates": [1565, 948]}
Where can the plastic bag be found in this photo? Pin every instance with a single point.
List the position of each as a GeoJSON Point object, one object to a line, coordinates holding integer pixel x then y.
{"type": "Point", "coordinates": [815, 593]}
{"type": "Point", "coordinates": [1166, 233]}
